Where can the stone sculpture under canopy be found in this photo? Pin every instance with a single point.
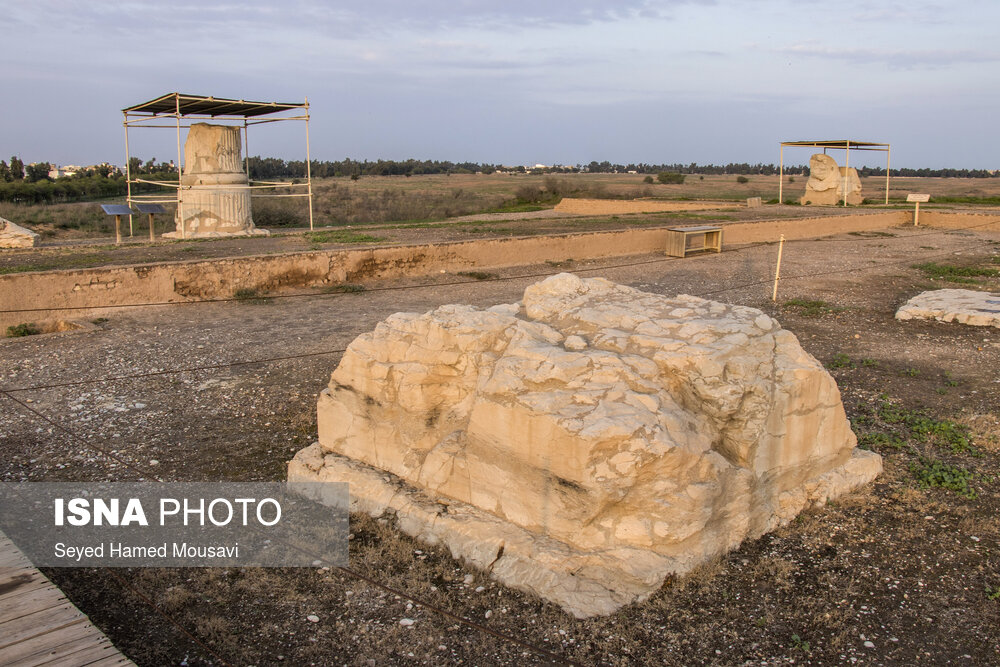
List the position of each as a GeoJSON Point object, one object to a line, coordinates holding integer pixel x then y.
{"type": "Point", "coordinates": [588, 441]}
{"type": "Point", "coordinates": [215, 192]}
{"type": "Point", "coordinates": [827, 182]}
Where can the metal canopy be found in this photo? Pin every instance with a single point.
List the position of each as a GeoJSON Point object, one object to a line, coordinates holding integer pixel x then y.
{"type": "Point", "coordinates": [212, 107]}
{"type": "Point", "coordinates": [116, 209]}
{"type": "Point", "coordinates": [843, 144]}
{"type": "Point", "coordinates": [193, 107]}
{"type": "Point", "coordinates": [840, 143]}
{"type": "Point", "coordinates": [150, 208]}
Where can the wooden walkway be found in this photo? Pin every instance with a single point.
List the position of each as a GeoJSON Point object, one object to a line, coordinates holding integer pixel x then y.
{"type": "Point", "coordinates": [39, 626]}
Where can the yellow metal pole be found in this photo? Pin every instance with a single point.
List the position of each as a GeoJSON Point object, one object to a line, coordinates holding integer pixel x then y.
{"type": "Point", "coordinates": [847, 166]}
{"type": "Point", "coordinates": [777, 269]}
{"type": "Point", "coordinates": [781, 171]}
{"type": "Point", "coordinates": [180, 201]}
{"type": "Point", "coordinates": [246, 147]}
{"type": "Point", "coordinates": [309, 183]}
{"type": "Point", "coordinates": [128, 177]}
{"type": "Point", "coordinates": [887, 154]}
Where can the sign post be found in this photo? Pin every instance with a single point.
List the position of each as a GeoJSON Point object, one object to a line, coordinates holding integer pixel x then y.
{"type": "Point", "coordinates": [917, 199]}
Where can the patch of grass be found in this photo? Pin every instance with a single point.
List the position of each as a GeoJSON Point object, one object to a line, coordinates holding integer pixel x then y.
{"type": "Point", "coordinates": [872, 234]}
{"type": "Point", "coordinates": [840, 360]}
{"type": "Point", "coordinates": [342, 236]}
{"type": "Point", "coordinates": [872, 441]}
{"type": "Point", "coordinates": [993, 593]}
{"type": "Point", "coordinates": [869, 363]}
{"type": "Point", "coordinates": [250, 295]}
{"type": "Point", "coordinates": [99, 320]}
{"type": "Point", "coordinates": [800, 644]}
{"type": "Point", "coordinates": [812, 308]}
{"type": "Point", "coordinates": [932, 473]}
{"type": "Point", "coordinates": [478, 275]}
{"type": "Point", "coordinates": [910, 372]}
{"type": "Point", "coordinates": [955, 274]}
{"type": "Point", "coordinates": [516, 207]}
{"type": "Point", "coordinates": [345, 288]}
{"type": "Point", "coordinates": [23, 329]}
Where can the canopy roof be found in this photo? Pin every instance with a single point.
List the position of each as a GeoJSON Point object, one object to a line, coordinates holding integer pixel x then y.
{"type": "Point", "coordinates": [199, 105]}
{"type": "Point", "coordinates": [839, 143]}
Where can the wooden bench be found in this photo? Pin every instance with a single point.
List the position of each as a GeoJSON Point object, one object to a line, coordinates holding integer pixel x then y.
{"type": "Point", "coordinates": [677, 240]}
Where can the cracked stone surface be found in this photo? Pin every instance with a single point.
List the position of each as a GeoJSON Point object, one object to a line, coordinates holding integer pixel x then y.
{"type": "Point", "coordinates": [586, 442]}
{"type": "Point", "coordinates": [981, 309]}
{"type": "Point", "coordinates": [16, 236]}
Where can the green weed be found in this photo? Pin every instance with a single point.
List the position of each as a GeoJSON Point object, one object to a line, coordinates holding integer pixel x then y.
{"type": "Point", "coordinates": [23, 329]}
{"type": "Point", "coordinates": [345, 288]}
{"type": "Point", "coordinates": [342, 236]}
{"type": "Point", "coordinates": [933, 473]}
{"type": "Point", "coordinates": [955, 274]}
{"type": "Point", "coordinates": [250, 295]}
{"type": "Point", "coordinates": [840, 360]}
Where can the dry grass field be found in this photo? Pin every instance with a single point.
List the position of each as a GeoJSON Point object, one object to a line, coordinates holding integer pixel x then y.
{"type": "Point", "coordinates": [906, 571]}
{"type": "Point", "coordinates": [377, 200]}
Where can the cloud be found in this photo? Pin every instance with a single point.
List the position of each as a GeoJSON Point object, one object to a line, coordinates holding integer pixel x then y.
{"type": "Point", "coordinates": [894, 58]}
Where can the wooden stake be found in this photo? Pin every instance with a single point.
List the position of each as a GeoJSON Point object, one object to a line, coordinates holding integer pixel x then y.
{"type": "Point", "coordinates": [777, 269]}
{"type": "Point", "coordinates": [118, 230]}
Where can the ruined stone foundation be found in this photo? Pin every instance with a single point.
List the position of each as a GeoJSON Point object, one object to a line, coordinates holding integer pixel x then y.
{"type": "Point", "coordinates": [215, 192]}
{"type": "Point", "coordinates": [588, 441]}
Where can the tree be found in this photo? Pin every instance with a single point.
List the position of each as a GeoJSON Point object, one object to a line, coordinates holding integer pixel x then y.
{"type": "Point", "coordinates": [39, 171]}
{"type": "Point", "coordinates": [16, 168]}
{"type": "Point", "coordinates": [5, 175]}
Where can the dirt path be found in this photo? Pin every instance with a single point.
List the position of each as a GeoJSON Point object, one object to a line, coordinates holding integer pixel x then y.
{"type": "Point", "coordinates": [900, 567]}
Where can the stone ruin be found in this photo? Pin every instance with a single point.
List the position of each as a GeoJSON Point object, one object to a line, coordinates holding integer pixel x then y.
{"type": "Point", "coordinates": [827, 182]}
{"type": "Point", "coordinates": [981, 309]}
{"type": "Point", "coordinates": [16, 236]}
{"type": "Point", "coordinates": [588, 441]}
{"type": "Point", "coordinates": [215, 191]}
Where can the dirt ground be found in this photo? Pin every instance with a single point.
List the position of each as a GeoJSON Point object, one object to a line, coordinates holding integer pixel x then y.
{"type": "Point", "coordinates": [905, 571]}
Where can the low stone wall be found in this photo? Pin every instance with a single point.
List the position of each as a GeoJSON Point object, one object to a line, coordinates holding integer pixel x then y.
{"type": "Point", "coordinates": [584, 206]}
{"type": "Point", "coordinates": [983, 222]}
{"type": "Point", "coordinates": [66, 290]}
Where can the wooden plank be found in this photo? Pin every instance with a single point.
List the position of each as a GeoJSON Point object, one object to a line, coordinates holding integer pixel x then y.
{"type": "Point", "coordinates": [51, 645]}
{"type": "Point", "coordinates": [19, 582]}
{"type": "Point", "coordinates": [32, 625]}
{"type": "Point", "coordinates": [86, 656]}
{"type": "Point", "coordinates": [39, 599]}
{"type": "Point", "coordinates": [39, 626]}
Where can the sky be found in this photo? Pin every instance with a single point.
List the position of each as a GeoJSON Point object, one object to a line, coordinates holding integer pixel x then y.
{"type": "Point", "coordinates": [517, 81]}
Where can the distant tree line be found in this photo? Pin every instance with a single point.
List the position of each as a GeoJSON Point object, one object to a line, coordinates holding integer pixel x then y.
{"type": "Point", "coordinates": [31, 184]}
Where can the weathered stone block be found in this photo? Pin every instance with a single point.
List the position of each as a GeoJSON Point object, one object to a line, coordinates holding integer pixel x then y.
{"type": "Point", "coordinates": [981, 309]}
{"type": "Point", "coordinates": [588, 441]}
{"type": "Point", "coordinates": [16, 236]}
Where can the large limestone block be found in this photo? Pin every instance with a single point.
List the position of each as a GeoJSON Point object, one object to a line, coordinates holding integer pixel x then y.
{"type": "Point", "coordinates": [981, 309]}
{"type": "Point", "coordinates": [586, 442]}
{"type": "Point", "coordinates": [828, 182]}
{"type": "Point", "coordinates": [215, 192]}
{"type": "Point", "coordinates": [16, 236]}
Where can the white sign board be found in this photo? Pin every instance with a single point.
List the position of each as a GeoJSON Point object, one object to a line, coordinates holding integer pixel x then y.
{"type": "Point", "coordinates": [918, 198]}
